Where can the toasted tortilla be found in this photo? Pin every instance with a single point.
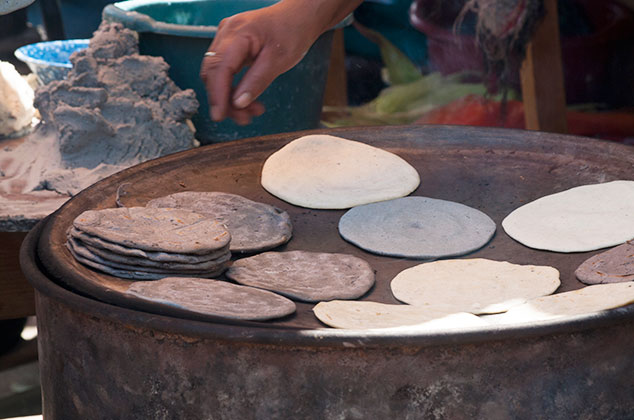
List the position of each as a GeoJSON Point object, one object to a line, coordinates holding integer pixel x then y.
{"type": "Point", "coordinates": [179, 268]}
{"type": "Point", "coordinates": [478, 285]}
{"type": "Point", "coordinates": [306, 276]}
{"type": "Point", "coordinates": [580, 219]}
{"type": "Point", "coordinates": [326, 172]}
{"type": "Point", "coordinates": [140, 273]}
{"type": "Point", "coordinates": [254, 226]}
{"type": "Point", "coordinates": [613, 266]}
{"type": "Point", "coordinates": [94, 242]}
{"type": "Point", "coordinates": [417, 227]}
{"type": "Point", "coordinates": [164, 230]}
{"type": "Point", "coordinates": [144, 262]}
{"type": "Point", "coordinates": [214, 297]}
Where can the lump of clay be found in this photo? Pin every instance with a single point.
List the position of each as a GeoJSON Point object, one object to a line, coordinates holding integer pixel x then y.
{"type": "Point", "coordinates": [16, 101]}
{"type": "Point", "coordinates": [115, 108]}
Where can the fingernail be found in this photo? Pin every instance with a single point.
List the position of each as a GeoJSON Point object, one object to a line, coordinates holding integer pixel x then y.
{"type": "Point", "coordinates": [243, 100]}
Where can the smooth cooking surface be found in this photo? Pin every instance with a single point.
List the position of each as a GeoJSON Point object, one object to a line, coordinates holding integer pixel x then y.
{"type": "Point", "coordinates": [492, 170]}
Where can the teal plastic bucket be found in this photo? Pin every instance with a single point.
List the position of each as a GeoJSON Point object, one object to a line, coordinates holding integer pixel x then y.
{"type": "Point", "coordinates": [181, 31]}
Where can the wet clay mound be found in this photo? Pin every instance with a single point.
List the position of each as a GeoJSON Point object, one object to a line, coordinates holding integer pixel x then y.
{"type": "Point", "coordinates": [116, 106]}
{"type": "Point", "coordinates": [115, 109]}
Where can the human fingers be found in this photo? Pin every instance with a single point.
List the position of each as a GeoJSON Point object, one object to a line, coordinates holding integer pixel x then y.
{"type": "Point", "coordinates": [218, 70]}
{"type": "Point", "coordinates": [270, 63]}
{"type": "Point", "coordinates": [245, 115]}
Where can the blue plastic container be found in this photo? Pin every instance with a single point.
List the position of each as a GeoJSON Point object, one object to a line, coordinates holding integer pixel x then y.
{"type": "Point", "coordinates": [181, 31]}
{"type": "Point", "coordinates": [79, 17]}
{"type": "Point", "coordinates": [50, 60]}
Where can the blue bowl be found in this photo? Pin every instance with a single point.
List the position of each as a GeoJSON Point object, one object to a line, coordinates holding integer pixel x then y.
{"type": "Point", "coordinates": [50, 60]}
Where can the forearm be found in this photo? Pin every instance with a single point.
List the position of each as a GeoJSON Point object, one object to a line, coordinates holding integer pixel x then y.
{"type": "Point", "coordinates": [318, 15]}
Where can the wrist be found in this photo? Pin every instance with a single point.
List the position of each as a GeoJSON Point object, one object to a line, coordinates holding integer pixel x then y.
{"type": "Point", "coordinates": [318, 16]}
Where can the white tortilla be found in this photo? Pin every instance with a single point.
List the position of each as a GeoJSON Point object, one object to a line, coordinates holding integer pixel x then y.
{"type": "Point", "coordinates": [580, 219]}
{"type": "Point", "coordinates": [478, 285]}
{"type": "Point", "coordinates": [587, 300]}
{"type": "Point", "coordinates": [371, 315]}
{"type": "Point", "coordinates": [327, 172]}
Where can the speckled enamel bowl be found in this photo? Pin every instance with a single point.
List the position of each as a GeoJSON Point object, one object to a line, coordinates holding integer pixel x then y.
{"type": "Point", "coordinates": [50, 60]}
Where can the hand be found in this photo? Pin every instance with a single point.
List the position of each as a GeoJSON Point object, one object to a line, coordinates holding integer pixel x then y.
{"type": "Point", "coordinates": [269, 40]}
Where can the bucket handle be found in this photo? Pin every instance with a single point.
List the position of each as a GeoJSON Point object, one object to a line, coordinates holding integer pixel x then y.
{"type": "Point", "coordinates": [140, 22]}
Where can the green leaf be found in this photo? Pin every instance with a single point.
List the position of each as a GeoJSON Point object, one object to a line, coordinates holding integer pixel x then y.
{"type": "Point", "coordinates": [405, 103]}
{"type": "Point", "coordinates": [399, 68]}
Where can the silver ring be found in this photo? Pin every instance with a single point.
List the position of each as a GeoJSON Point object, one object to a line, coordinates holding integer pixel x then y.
{"type": "Point", "coordinates": [210, 54]}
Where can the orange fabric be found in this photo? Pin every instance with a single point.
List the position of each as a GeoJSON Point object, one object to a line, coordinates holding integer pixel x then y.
{"type": "Point", "coordinates": [478, 111]}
